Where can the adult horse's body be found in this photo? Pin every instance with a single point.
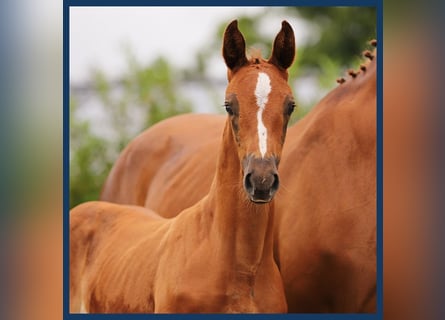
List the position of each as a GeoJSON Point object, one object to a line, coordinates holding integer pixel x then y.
{"type": "Point", "coordinates": [175, 157]}
{"type": "Point", "coordinates": [216, 256]}
{"type": "Point", "coordinates": [326, 213]}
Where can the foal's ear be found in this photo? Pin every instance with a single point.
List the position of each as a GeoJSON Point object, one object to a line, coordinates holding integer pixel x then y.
{"type": "Point", "coordinates": [283, 52]}
{"type": "Point", "coordinates": [234, 47]}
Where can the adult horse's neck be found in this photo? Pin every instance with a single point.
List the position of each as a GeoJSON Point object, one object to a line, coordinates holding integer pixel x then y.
{"type": "Point", "coordinates": [242, 229]}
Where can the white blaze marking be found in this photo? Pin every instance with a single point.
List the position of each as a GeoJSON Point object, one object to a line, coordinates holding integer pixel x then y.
{"type": "Point", "coordinates": [262, 91]}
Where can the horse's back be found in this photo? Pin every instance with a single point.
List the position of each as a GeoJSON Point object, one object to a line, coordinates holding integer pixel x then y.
{"type": "Point", "coordinates": [161, 159]}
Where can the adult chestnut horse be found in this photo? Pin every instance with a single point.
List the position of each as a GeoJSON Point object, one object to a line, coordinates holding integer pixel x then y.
{"type": "Point", "coordinates": [216, 256]}
{"type": "Point", "coordinates": [325, 241]}
{"type": "Point", "coordinates": [326, 213]}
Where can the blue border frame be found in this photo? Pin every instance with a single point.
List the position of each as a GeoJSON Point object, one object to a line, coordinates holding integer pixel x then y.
{"type": "Point", "coordinates": [378, 4]}
{"type": "Point", "coordinates": [66, 158]}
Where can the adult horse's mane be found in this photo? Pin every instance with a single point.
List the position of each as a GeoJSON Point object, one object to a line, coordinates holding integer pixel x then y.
{"type": "Point", "coordinates": [370, 55]}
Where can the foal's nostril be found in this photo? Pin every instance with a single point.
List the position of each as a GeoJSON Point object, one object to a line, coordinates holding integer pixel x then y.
{"type": "Point", "coordinates": [276, 183]}
{"type": "Point", "coordinates": [248, 183]}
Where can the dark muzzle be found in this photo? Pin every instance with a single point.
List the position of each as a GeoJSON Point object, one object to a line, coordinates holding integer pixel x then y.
{"type": "Point", "coordinates": [260, 178]}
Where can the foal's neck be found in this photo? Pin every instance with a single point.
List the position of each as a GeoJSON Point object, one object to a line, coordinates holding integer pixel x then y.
{"type": "Point", "coordinates": [243, 229]}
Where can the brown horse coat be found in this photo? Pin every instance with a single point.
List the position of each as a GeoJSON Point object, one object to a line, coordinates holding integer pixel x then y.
{"type": "Point", "coordinates": [125, 260]}
{"type": "Point", "coordinates": [163, 159]}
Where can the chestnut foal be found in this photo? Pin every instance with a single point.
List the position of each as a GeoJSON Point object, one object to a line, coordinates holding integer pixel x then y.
{"type": "Point", "coordinates": [215, 256]}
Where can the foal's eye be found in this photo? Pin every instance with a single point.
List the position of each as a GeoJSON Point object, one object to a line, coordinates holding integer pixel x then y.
{"type": "Point", "coordinates": [290, 108]}
{"type": "Point", "coordinates": [228, 108]}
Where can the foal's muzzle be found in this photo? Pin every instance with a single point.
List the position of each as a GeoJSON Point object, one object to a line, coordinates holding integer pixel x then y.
{"type": "Point", "coordinates": [260, 178]}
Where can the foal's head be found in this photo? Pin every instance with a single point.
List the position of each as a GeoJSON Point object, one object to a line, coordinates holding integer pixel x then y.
{"type": "Point", "coordinates": [259, 103]}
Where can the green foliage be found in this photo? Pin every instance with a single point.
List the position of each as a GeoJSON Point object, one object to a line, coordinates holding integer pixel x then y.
{"type": "Point", "coordinates": [344, 32]}
{"type": "Point", "coordinates": [150, 92]}
{"type": "Point", "coordinates": [145, 93]}
{"type": "Point", "coordinates": [155, 86]}
{"type": "Point", "coordinates": [89, 164]}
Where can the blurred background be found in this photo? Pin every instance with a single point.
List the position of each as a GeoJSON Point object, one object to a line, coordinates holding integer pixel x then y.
{"type": "Point", "coordinates": [131, 67]}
